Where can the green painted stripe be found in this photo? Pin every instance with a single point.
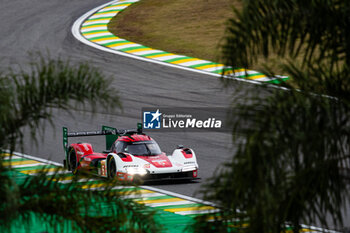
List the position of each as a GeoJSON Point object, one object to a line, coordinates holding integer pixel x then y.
{"type": "Point", "coordinates": [152, 54]}
{"type": "Point", "coordinates": [95, 24]}
{"type": "Point", "coordinates": [277, 81]}
{"type": "Point", "coordinates": [203, 64]}
{"type": "Point", "coordinates": [18, 160]}
{"type": "Point", "coordinates": [103, 37]}
{"type": "Point", "coordinates": [133, 189]}
{"type": "Point", "coordinates": [196, 215]}
{"type": "Point", "coordinates": [248, 76]}
{"type": "Point", "coordinates": [115, 42]}
{"type": "Point", "coordinates": [132, 48]}
{"type": "Point", "coordinates": [121, 3]}
{"type": "Point", "coordinates": [100, 18]}
{"type": "Point", "coordinates": [221, 70]}
{"type": "Point", "coordinates": [109, 11]}
{"type": "Point", "coordinates": [252, 75]}
{"type": "Point", "coordinates": [178, 59]}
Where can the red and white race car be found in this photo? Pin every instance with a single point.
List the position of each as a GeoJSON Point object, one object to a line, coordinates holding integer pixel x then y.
{"type": "Point", "coordinates": [129, 153]}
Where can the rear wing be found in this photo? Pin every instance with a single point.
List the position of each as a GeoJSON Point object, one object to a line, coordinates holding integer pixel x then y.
{"type": "Point", "coordinates": [111, 134]}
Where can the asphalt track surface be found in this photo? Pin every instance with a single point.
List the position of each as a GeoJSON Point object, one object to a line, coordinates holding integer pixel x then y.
{"type": "Point", "coordinates": [45, 26]}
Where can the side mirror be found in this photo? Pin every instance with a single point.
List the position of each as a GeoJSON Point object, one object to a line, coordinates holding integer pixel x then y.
{"type": "Point", "coordinates": [180, 146]}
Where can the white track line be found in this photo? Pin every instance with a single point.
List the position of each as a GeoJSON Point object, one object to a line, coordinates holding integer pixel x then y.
{"type": "Point", "coordinates": [27, 165]}
{"type": "Point", "coordinates": [179, 196]}
{"type": "Point", "coordinates": [35, 158]}
{"type": "Point", "coordinates": [11, 157]}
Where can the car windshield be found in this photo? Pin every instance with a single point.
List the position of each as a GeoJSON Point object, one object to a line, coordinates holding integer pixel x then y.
{"type": "Point", "coordinates": [143, 148]}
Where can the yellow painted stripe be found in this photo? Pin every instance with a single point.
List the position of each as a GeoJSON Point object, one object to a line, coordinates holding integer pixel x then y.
{"type": "Point", "coordinates": [103, 39]}
{"type": "Point", "coordinates": [160, 200]}
{"type": "Point", "coordinates": [5, 154]}
{"type": "Point", "coordinates": [33, 171]}
{"type": "Point", "coordinates": [95, 20]}
{"type": "Point", "coordinates": [93, 26]}
{"type": "Point", "coordinates": [160, 55]}
{"type": "Point", "coordinates": [119, 44]}
{"type": "Point", "coordinates": [87, 186]}
{"type": "Point", "coordinates": [190, 208]}
{"type": "Point", "coordinates": [104, 13]}
{"type": "Point", "coordinates": [209, 66]}
{"type": "Point", "coordinates": [107, 7]}
{"type": "Point", "coordinates": [185, 60]}
{"type": "Point", "coordinates": [257, 77]}
{"type": "Point", "coordinates": [93, 33]}
{"type": "Point", "coordinates": [240, 70]}
{"type": "Point", "coordinates": [139, 50]}
{"type": "Point", "coordinates": [23, 162]}
{"type": "Point", "coordinates": [302, 230]}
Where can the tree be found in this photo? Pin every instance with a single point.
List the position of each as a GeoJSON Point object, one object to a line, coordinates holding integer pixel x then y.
{"type": "Point", "coordinates": [27, 98]}
{"type": "Point", "coordinates": [292, 165]}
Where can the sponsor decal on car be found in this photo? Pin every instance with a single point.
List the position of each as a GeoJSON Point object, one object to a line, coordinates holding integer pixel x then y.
{"type": "Point", "coordinates": [103, 171]}
{"type": "Point", "coordinates": [80, 152]}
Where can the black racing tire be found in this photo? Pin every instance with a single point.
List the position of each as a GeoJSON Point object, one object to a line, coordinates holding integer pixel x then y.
{"type": "Point", "coordinates": [73, 162]}
{"type": "Point", "coordinates": [112, 168]}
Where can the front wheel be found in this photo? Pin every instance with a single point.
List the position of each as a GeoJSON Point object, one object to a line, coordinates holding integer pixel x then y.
{"type": "Point", "coordinates": [112, 168]}
{"type": "Point", "coordinates": [73, 163]}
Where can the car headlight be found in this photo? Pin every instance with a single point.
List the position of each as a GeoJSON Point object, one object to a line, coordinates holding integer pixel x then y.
{"type": "Point", "coordinates": [136, 171]}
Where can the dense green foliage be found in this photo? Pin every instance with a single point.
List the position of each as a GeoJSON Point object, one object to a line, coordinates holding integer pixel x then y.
{"type": "Point", "coordinates": [67, 207]}
{"type": "Point", "coordinates": [28, 97]}
{"type": "Point", "coordinates": [27, 100]}
{"type": "Point", "coordinates": [292, 165]}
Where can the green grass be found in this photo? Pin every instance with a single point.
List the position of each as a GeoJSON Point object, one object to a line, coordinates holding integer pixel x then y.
{"type": "Point", "coordinates": [193, 28]}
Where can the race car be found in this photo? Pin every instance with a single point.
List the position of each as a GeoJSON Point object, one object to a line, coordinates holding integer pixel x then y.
{"type": "Point", "coordinates": [129, 154]}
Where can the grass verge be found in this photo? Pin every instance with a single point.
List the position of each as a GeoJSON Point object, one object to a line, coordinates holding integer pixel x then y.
{"type": "Point", "coordinates": [193, 28]}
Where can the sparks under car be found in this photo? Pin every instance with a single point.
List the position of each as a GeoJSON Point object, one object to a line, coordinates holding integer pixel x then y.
{"type": "Point", "coordinates": [128, 154]}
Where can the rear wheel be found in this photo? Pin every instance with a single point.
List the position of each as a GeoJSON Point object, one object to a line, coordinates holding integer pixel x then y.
{"type": "Point", "coordinates": [73, 163]}
{"type": "Point", "coordinates": [112, 168]}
